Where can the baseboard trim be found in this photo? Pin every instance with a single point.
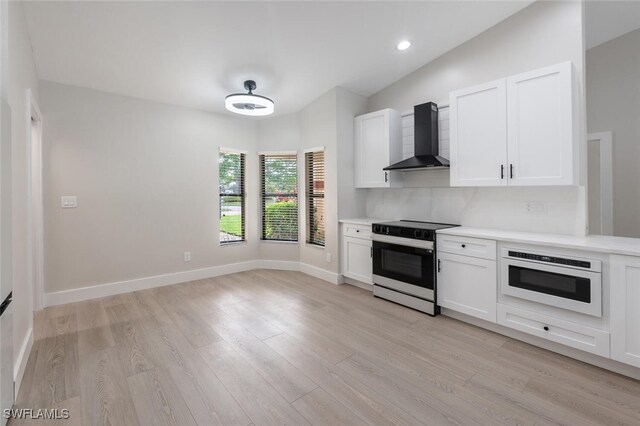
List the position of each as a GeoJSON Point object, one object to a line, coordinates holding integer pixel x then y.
{"type": "Point", "coordinates": [589, 358]}
{"type": "Point", "coordinates": [360, 284]}
{"type": "Point", "coordinates": [111, 289]}
{"type": "Point", "coordinates": [282, 265]}
{"type": "Point", "coordinates": [323, 274]}
{"type": "Point", "coordinates": [21, 361]}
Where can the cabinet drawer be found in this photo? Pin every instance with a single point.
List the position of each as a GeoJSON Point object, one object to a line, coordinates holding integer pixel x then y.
{"type": "Point", "coordinates": [356, 231]}
{"type": "Point", "coordinates": [475, 247]}
{"type": "Point", "coordinates": [565, 332]}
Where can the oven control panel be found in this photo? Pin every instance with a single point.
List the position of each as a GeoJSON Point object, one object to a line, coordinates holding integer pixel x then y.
{"type": "Point", "coordinates": [399, 231]}
{"type": "Point", "coordinates": [550, 259]}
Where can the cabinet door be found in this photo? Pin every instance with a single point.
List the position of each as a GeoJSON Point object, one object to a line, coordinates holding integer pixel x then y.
{"type": "Point", "coordinates": [541, 133]}
{"type": "Point", "coordinates": [478, 135]}
{"type": "Point", "coordinates": [377, 145]}
{"type": "Point", "coordinates": [356, 260]}
{"type": "Point", "coordinates": [468, 285]}
{"type": "Point", "coordinates": [625, 314]}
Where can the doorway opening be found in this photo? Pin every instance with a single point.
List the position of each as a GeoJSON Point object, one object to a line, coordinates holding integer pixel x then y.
{"type": "Point", "coordinates": [600, 183]}
{"type": "Point", "coordinates": [36, 215]}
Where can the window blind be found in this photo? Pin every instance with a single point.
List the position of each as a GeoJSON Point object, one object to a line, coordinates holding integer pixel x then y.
{"type": "Point", "coordinates": [279, 197]}
{"type": "Point", "coordinates": [314, 165]}
{"type": "Point", "coordinates": [232, 196]}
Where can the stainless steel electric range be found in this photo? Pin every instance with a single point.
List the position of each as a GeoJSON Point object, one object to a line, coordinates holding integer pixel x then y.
{"type": "Point", "coordinates": [404, 263]}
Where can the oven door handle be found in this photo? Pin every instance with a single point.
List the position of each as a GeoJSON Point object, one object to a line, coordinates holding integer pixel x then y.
{"type": "Point", "coordinates": [408, 242]}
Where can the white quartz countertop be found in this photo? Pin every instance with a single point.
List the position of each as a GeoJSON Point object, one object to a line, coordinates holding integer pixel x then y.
{"type": "Point", "coordinates": [594, 243]}
{"type": "Point", "coordinates": [362, 221]}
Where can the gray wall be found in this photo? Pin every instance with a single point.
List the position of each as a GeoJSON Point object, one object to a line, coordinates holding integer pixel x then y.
{"type": "Point", "coordinates": [146, 177]}
{"type": "Point", "coordinates": [281, 133]}
{"type": "Point", "coordinates": [318, 127]}
{"type": "Point", "coordinates": [22, 76]}
{"type": "Point", "coordinates": [542, 34]}
{"type": "Point", "coordinates": [613, 103]}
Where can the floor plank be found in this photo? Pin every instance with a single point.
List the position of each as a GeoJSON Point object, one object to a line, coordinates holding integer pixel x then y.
{"type": "Point", "coordinates": [94, 333]}
{"type": "Point", "coordinates": [370, 406]}
{"type": "Point", "coordinates": [105, 395]}
{"type": "Point", "coordinates": [280, 347]}
{"type": "Point", "coordinates": [56, 366]}
{"type": "Point", "coordinates": [157, 399]}
{"type": "Point", "coordinates": [255, 395]}
{"type": "Point", "coordinates": [284, 377]}
{"type": "Point", "coordinates": [319, 408]}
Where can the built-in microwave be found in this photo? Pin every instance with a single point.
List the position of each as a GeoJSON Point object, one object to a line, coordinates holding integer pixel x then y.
{"type": "Point", "coordinates": [566, 282]}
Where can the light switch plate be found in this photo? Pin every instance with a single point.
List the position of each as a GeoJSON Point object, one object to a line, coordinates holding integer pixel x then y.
{"type": "Point", "coordinates": [69, 201]}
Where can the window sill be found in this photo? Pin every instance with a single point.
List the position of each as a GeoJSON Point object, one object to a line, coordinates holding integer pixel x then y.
{"type": "Point", "coordinates": [232, 243]}
{"type": "Point", "coordinates": [316, 246]}
{"type": "Point", "coordinates": [279, 242]}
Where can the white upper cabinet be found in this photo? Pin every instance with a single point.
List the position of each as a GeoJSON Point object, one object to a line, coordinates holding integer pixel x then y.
{"type": "Point", "coordinates": [517, 131]}
{"type": "Point", "coordinates": [478, 125]}
{"type": "Point", "coordinates": [378, 144]}
{"type": "Point", "coordinates": [541, 136]}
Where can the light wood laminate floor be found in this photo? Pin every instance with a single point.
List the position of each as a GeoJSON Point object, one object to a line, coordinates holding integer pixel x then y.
{"type": "Point", "coordinates": [274, 347]}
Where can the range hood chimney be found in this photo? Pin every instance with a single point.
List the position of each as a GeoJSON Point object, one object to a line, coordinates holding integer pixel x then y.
{"type": "Point", "coordinates": [425, 140]}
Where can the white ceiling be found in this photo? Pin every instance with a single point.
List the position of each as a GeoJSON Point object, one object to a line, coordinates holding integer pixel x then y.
{"type": "Point", "coordinates": [606, 20]}
{"type": "Point", "coordinates": [195, 53]}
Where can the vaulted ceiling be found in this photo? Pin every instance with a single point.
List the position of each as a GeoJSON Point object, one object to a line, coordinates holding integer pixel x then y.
{"type": "Point", "coordinates": [195, 53]}
{"type": "Point", "coordinates": [606, 20]}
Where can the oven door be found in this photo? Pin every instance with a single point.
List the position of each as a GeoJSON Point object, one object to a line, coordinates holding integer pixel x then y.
{"type": "Point", "coordinates": [567, 288]}
{"type": "Point", "coordinates": [404, 265]}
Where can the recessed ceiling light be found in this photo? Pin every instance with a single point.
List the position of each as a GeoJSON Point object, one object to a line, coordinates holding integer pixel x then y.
{"type": "Point", "coordinates": [404, 45]}
{"type": "Point", "coordinates": [249, 103]}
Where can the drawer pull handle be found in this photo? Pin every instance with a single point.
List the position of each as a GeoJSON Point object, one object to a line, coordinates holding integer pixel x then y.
{"type": "Point", "coordinates": [357, 230]}
{"type": "Point", "coordinates": [464, 245]}
{"type": "Point", "coordinates": [546, 328]}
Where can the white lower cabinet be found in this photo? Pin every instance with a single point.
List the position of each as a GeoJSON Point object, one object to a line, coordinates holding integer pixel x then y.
{"type": "Point", "coordinates": [356, 252]}
{"type": "Point", "coordinates": [467, 276]}
{"type": "Point", "coordinates": [567, 333]}
{"type": "Point", "coordinates": [625, 309]}
{"type": "Point", "coordinates": [467, 284]}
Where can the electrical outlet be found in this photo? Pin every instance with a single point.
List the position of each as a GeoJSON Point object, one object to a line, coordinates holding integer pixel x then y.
{"type": "Point", "coordinates": [538, 208]}
{"type": "Point", "coordinates": [328, 257]}
{"type": "Point", "coordinates": [187, 256]}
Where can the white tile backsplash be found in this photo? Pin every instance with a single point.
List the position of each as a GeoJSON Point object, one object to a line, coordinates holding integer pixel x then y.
{"type": "Point", "coordinates": [443, 137]}
{"type": "Point", "coordinates": [498, 208]}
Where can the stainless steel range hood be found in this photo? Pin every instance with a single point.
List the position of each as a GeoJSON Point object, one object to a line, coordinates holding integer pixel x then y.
{"type": "Point", "coordinates": [425, 140]}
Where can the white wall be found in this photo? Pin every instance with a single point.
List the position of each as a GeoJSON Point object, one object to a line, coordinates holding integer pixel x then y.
{"type": "Point", "coordinates": [22, 76]}
{"type": "Point", "coordinates": [351, 202]}
{"type": "Point", "coordinates": [544, 33]}
{"type": "Point", "coordinates": [327, 121]}
{"type": "Point", "coordinates": [145, 175]}
{"type": "Point", "coordinates": [318, 127]}
{"type": "Point", "coordinates": [146, 178]}
{"type": "Point", "coordinates": [282, 133]}
{"type": "Point", "coordinates": [613, 103]}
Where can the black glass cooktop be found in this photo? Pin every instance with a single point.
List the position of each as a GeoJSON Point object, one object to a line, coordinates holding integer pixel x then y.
{"type": "Point", "coordinates": [414, 224]}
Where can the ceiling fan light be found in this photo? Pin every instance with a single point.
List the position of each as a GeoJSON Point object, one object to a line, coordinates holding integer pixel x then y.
{"type": "Point", "coordinates": [249, 103]}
